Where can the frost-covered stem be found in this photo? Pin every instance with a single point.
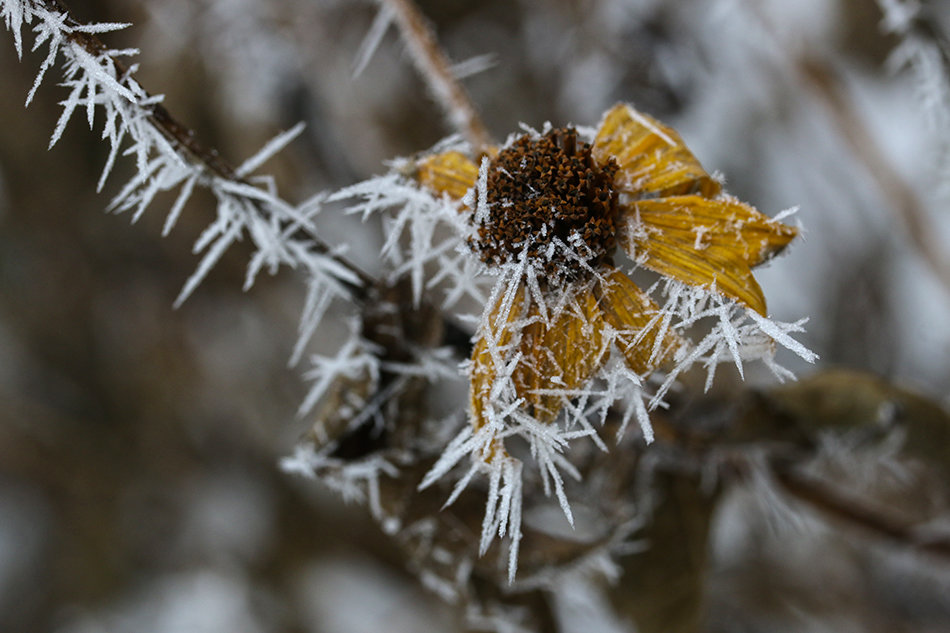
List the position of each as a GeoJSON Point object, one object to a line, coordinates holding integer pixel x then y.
{"type": "Point", "coordinates": [433, 64]}
{"type": "Point", "coordinates": [857, 512]}
{"type": "Point", "coordinates": [186, 144]}
{"type": "Point", "coordinates": [184, 139]}
{"type": "Point", "coordinates": [181, 136]}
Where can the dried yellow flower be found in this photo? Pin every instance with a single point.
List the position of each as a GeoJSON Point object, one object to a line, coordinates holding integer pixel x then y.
{"type": "Point", "coordinates": [561, 206]}
{"type": "Point", "coordinates": [565, 334]}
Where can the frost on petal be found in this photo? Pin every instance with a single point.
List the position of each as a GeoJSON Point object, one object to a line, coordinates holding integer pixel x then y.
{"type": "Point", "coordinates": [559, 355]}
{"type": "Point", "coordinates": [491, 349]}
{"type": "Point", "coordinates": [721, 223]}
{"type": "Point", "coordinates": [642, 331]}
{"type": "Point", "coordinates": [652, 157]}
{"type": "Point", "coordinates": [674, 254]}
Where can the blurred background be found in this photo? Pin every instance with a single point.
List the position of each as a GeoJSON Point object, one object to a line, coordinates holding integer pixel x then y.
{"type": "Point", "coordinates": [139, 445]}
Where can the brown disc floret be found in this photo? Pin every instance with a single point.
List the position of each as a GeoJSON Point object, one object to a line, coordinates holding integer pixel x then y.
{"type": "Point", "coordinates": [544, 190]}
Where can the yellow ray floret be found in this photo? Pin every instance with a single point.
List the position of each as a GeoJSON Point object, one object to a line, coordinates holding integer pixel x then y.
{"type": "Point", "coordinates": [652, 157]}
{"type": "Point", "coordinates": [674, 253]}
{"type": "Point", "coordinates": [641, 336]}
{"type": "Point", "coordinates": [494, 341]}
{"type": "Point", "coordinates": [450, 173]}
{"type": "Point", "coordinates": [722, 222]}
{"type": "Point", "coordinates": [559, 355]}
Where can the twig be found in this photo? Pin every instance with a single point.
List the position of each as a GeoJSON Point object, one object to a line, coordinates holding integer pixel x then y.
{"type": "Point", "coordinates": [820, 77]}
{"type": "Point", "coordinates": [184, 140]}
{"type": "Point", "coordinates": [433, 64]}
{"type": "Point", "coordinates": [858, 512]}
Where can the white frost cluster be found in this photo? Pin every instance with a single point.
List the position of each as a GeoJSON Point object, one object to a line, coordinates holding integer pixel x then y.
{"type": "Point", "coordinates": [282, 233]}
{"type": "Point", "coordinates": [355, 481]}
{"type": "Point", "coordinates": [424, 233]}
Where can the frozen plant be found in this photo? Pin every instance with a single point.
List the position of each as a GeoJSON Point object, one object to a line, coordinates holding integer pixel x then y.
{"type": "Point", "coordinates": [544, 214]}
{"type": "Point", "coordinates": [608, 267]}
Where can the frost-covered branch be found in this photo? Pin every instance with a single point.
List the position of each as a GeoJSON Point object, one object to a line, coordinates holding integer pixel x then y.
{"type": "Point", "coordinates": [169, 157]}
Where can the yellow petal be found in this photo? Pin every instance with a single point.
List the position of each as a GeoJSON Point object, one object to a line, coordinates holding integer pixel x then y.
{"type": "Point", "coordinates": [652, 157]}
{"type": "Point", "coordinates": [641, 335]}
{"type": "Point", "coordinates": [449, 172]}
{"type": "Point", "coordinates": [722, 222]}
{"type": "Point", "coordinates": [559, 357]}
{"type": "Point", "coordinates": [672, 249]}
{"type": "Point", "coordinates": [498, 336]}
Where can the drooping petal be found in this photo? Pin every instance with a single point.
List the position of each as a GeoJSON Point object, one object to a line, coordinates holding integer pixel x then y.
{"type": "Point", "coordinates": [643, 337]}
{"type": "Point", "coordinates": [660, 236]}
{"type": "Point", "coordinates": [450, 172]}
{"type": "Point", "coordinates": [559, 355]}
{"type": "Point", "coordinates": [652, 157]}
{"type": "Point", "coordinates": [722, 222]}
{"type": "Point", "coordinates": [491, 350]}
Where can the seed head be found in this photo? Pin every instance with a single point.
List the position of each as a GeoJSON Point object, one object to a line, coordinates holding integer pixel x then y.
{"type": "Point", "coordinates": [546, 189]}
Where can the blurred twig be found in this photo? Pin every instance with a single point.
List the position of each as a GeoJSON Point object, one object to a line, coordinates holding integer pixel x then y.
{"type": "Point", "coordinates": [858, 512]}
{"type": "Point", "coordinates": [434, 67]}
{"type": "Point", "coordinates": [787, 422]}
{"type": "Point", "coordinates": [819, 76]}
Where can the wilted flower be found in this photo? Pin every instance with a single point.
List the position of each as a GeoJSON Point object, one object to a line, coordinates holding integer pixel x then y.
{"type": "Point", "coordinates": [546, 213]}
{"type": "Point", "coordinates": [558, 208]}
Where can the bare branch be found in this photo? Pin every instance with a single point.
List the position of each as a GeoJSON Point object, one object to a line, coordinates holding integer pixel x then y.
{"type": "Point", "coordinates": [904, 200]}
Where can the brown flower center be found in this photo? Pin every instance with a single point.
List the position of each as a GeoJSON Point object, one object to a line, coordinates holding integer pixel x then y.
{"type": "Point", "coordinates": [544, 193]}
